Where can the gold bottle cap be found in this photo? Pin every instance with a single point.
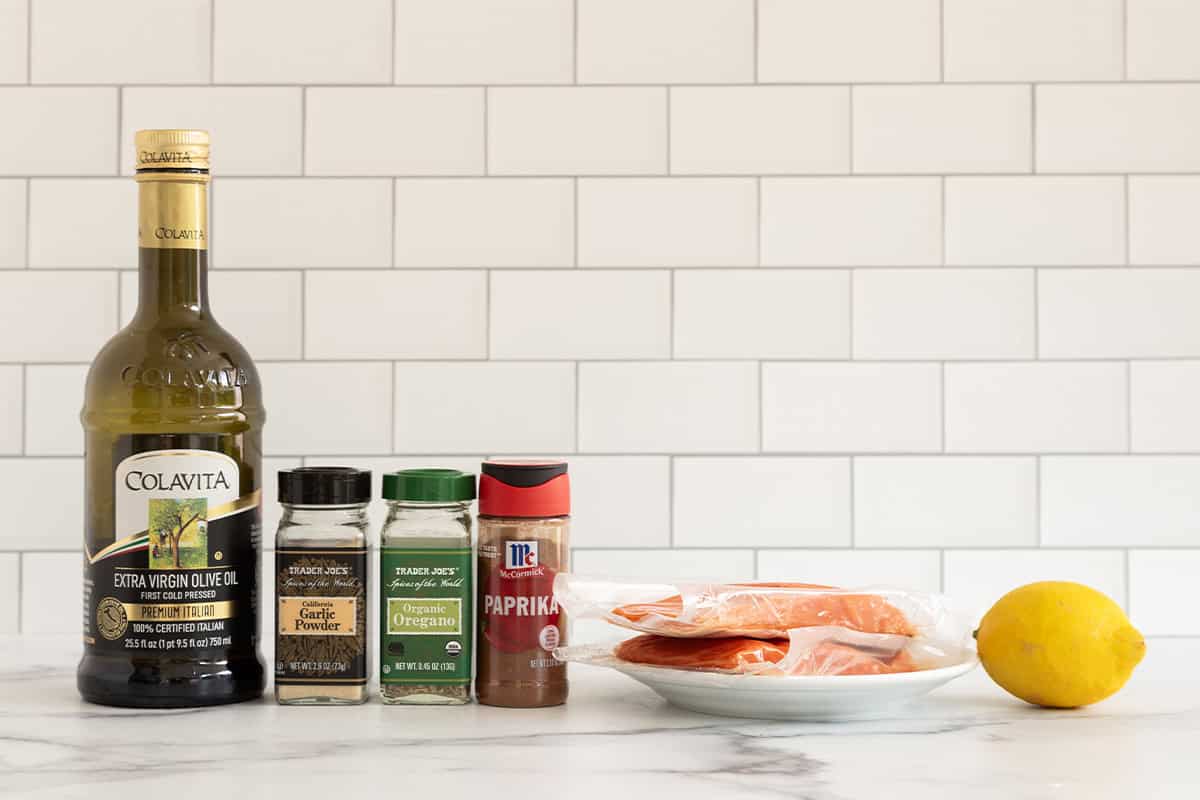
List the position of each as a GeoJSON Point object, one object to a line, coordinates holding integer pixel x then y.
{"type": "Point", "coordinates": [171, 149]}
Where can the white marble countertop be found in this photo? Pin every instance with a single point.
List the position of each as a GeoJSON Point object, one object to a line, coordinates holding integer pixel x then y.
{"type": "Point", "coordinates": [614, 739]}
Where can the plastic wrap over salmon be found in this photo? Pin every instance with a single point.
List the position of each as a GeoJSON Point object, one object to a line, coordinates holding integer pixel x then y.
{"type": "Point", "coordinates": [755, 610]}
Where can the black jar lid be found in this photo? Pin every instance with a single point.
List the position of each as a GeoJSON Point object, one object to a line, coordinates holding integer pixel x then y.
{"type": "Point", "coordinates": [324, 486]}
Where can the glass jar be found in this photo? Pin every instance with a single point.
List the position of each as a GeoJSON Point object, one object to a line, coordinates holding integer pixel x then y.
{"type": "Point", "coordinates": [426, 593]}
{"type": "Point", "coordinates": [321, 587]}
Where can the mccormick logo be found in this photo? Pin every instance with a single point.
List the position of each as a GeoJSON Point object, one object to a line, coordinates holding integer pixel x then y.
{"type": "Point", "coordinates": [520, 555]}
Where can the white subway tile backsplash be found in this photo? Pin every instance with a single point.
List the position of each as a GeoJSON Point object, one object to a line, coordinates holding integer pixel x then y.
{"type": "Point", "coordinates": [492, 222]}
{"type": "Point", "coordinates": [875, 41]}
{"type": "Point", "coordinates": [1160, 40]}
{"type": "Point", "coordinates": [762, 502]}
{"type": "Point", "coordinates": [1160, 585]}
{"type": "Point", "coordinates": [310, 222]}
{"type": "Point", "coordinates": [12, 404]}
{"type": "Point", "coordinates": [1134, 501]}
{"type": "Point", "coordinates": [666, 565]}
{"type": "Point", "coordinates": [944, 314]}
{"type": "Point", "coordinates": [395, 314]}
{"type": "Point", "coordinates": [851, 407]}
{"type": "Point", "coordinates": [255, 129]}
{"type": "Point", "coordinates": [642, 515]}
{"type": "Point", "coordinates": [302, 41]}
{"type": "Point", "coordinates": [120, 41]}
{"type": "Point", "coordinates": [571, 314]}
{"type": "Point", "coordinates": [10, 592]}
{"type": "Point", "coordinates": [851, 222]}
{"type": "Point", "coordinates": [914, 570]}
{"type": "Point", "coordinates": [937, 501]}
{"type": "Point", "coordinates": [1164, 396]}
{"type": "Point", "coordinates": [271, 510]}
{"type": "Point", "coordinates": [976, 579]}
{"type": "Point", "coordinates": [1033, 40]}
{"type": "Point", "coordinates": [680, 222]}
{"type": "Point", "coordinates": [41, 514]}
{"type": "Point", "coordinates": [51, 596]}
{"type": "Point", "coordinates": [1126, 313]}
{"type": "Point", "coordinates": [1118, 128]}
{"type": "Point", "coordinates": [484, 41]}
{"type": "Point", "coordinates": [98, 212]}
{"type": "Point", "coordinates": [935, 129]}
{"type": "Point", "coordinates": [663, 407]}
{"type": "Point", "coordinates": [12, 223]}
{"type": "Point", "coordinates": [1162, 228]}
{"type": "Point", "coordinates": [762, 314]}
{"type": "Point", "coordinates": [532, 227]}
{"type": "Point", "coordinates": [14, 41]}
{"type": "Point", "coordinates": [54, 395]}
{"type": "Point", "coordinates": [263, 310]}
{"type": "Point", "coordinates": [1034, 221]}
{"type": "Point", "coordinates": [41, 133]}
{"type": "Point", "coordinates": [409, 131]}
{"type": "Point", "coordinates": [760, 129]}
{"type": "Point", "coordinates": [501, 407]}
{"type": "Point", "coordinates": [1058, 407]}
{"type": "Point", "coordinates": [323, 407]}
{"type": "Point", "coordinates": [577, 130]}
{"type": "Point", "coordinates": [32, 304]}
{"type": "Point", "coordinates": [622, 41]}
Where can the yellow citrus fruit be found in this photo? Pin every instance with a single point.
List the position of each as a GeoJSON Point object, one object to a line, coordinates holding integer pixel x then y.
{"type": "Point", "coordinates": [1058, 644]}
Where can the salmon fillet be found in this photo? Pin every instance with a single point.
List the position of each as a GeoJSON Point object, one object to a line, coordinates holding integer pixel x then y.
{"type": "Point", "coordinates": [740, 655]}
{"type": "Point", "coordinates": [755, 610]}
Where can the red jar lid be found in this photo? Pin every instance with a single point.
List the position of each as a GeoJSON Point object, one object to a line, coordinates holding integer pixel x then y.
{"type": "Point", "coordinates": [524, 489]}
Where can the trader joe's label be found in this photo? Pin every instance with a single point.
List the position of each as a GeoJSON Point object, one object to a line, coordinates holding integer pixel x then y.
{"type": "Point", "coordinates": [425, 612]}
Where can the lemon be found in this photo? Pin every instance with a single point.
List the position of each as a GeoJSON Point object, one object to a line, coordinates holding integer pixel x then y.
{"type": "Point", "coordinates": [1058, 644]}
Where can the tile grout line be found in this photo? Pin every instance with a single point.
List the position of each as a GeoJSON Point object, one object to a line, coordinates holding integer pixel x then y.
{"type": "Point", "coordinates": [577, 407]}
{"type": "Point", "coordinates": [394, 23]}
{"type": "Point", "coordinates": [853, 516]}
{"type": "Point", "coordinates": [1128, 588]}
{"type": "Point", "coordinates": [671, 502]}
{"type": "Point", "coordinates": [667, 111]}
{"type": "Point", "coordinates": [942, 41]}
{"type": "Point", "coordinates": [29, 42]}
{"type": "Point", "coordinates": [1033, 129]}
{"type": "Point", "coordinates": [303, 316]}
{"type": "Point", "coordinates": [24, 410]}
{"type": "Point", "coordinates": [303, 131]}
{"type": "Point", "coordinates": [120, 123]}
{"type": "Point", "coordinates": [212, 42]}
{"type": "Point", "coordinates": [574, 42]}
{"type": "Point", "coordinates": [21, 591]}
{"type": "Point", "coordinates": [28, 223]}
{"type": "Point", "coordinates": [1124, 40]}
{"type": "Point", "coordinates": [754, 45]}
{"type": "Point", "coordinates": [1037, 500]}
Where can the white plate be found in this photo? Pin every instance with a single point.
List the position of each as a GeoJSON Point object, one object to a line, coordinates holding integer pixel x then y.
{"type": "Point", "coordinates": [813, 698]}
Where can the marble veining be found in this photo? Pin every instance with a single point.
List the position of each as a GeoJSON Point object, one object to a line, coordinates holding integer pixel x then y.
{"type": "Point", "coordinates": [614, 739]}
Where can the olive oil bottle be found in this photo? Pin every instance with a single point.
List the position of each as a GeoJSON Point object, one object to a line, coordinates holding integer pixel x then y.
{"type": "Point", "coordinates": [173, 420]}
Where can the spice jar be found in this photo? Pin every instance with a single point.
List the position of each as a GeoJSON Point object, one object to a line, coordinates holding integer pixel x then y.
{"type": "Point", "coordinates": [426, 596]}
{"type": "Point", "coordinates": [524, 521]}
{"type": "Point", "coordinates": [321, 586]}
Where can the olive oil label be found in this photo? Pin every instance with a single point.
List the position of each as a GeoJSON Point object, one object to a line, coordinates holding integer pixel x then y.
{"type": "Point", "coordinates": [320, 615]}
{"type": "Point", "coordinates": [173, 215]}
{"type": "Point", "coordinates": [182, 573]}
{"type": "Point", "coordinates": [425, 616]}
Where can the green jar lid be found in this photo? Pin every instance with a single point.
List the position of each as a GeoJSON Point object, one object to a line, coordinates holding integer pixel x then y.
{"type": "Point", "coordinates": [429, 485]}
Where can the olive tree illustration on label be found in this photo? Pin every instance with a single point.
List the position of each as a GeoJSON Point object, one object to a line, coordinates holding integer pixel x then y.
{"type": "Point", "coordinates": [179, 533]}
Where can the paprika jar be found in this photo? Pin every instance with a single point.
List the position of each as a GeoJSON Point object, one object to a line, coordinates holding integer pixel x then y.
{"type": "Point", "coordinates": [524, 525]}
